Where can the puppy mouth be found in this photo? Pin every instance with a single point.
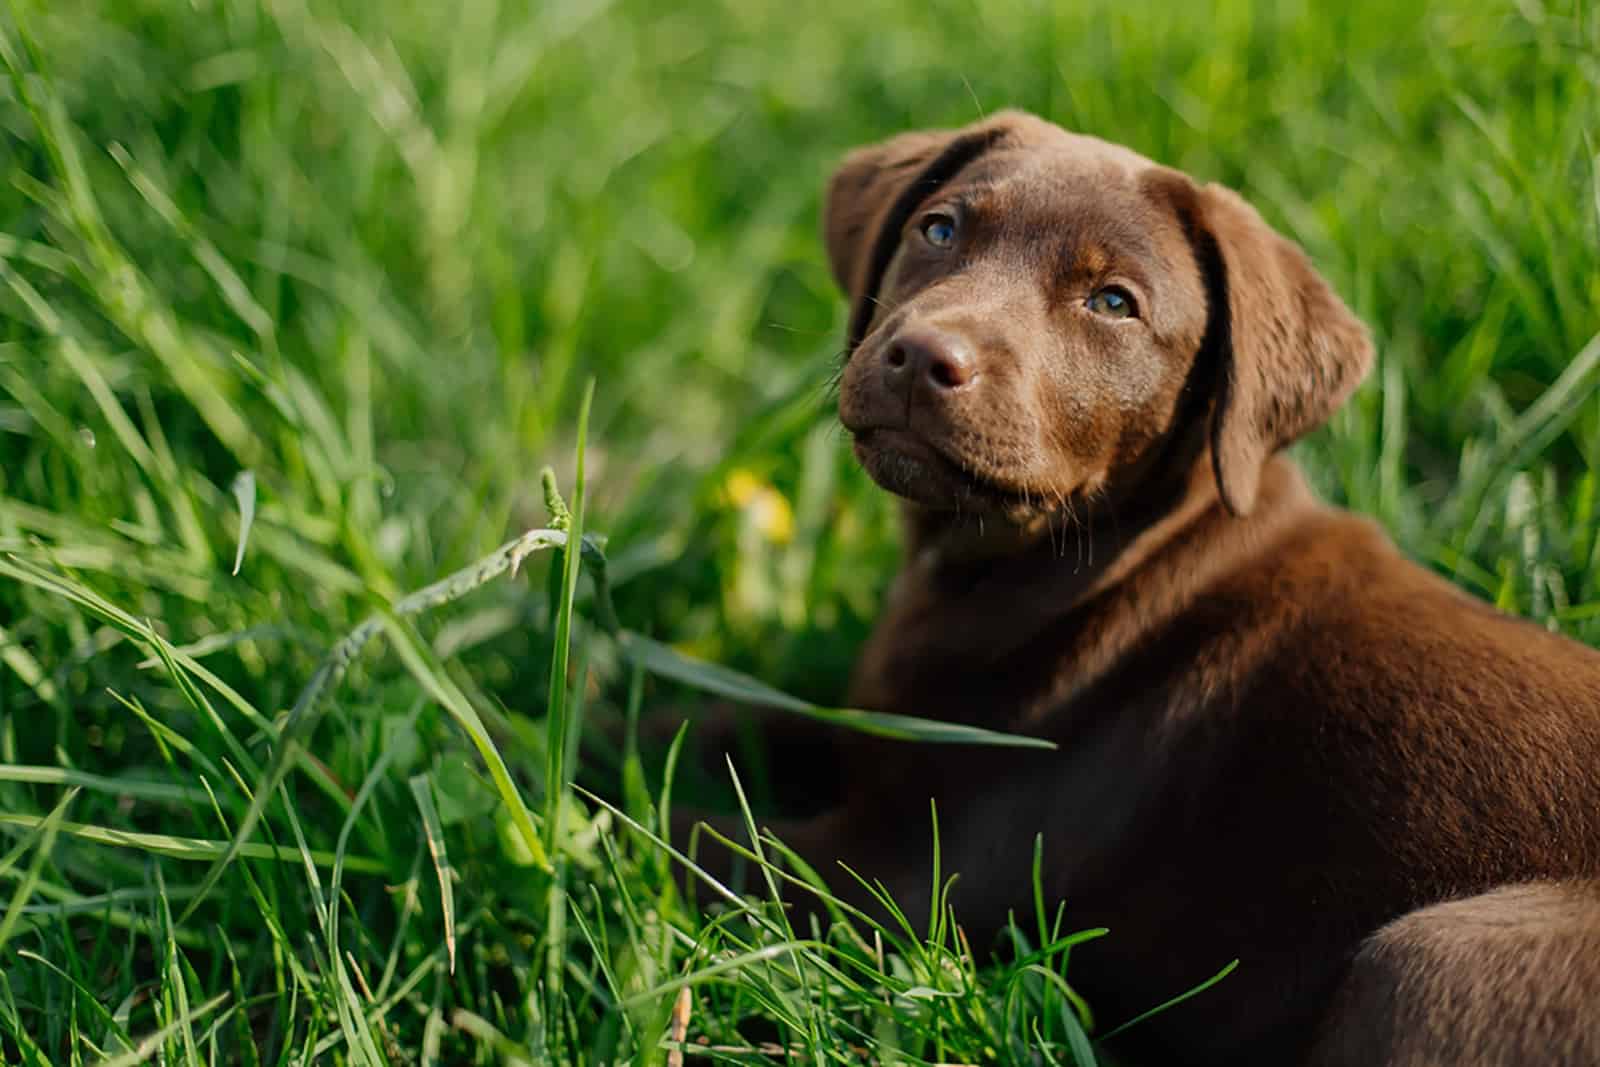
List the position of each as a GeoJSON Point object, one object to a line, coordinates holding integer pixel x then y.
{"type": "Point", "coordinates": [909, 466]}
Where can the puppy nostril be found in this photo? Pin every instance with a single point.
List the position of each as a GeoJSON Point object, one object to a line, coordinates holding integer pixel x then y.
{"type": "Point", "coordinates": [897, 357]}
{"type": "Point", "coordinates": [949, 362]}
{"type": "Point", "coordinates": [949, 373]}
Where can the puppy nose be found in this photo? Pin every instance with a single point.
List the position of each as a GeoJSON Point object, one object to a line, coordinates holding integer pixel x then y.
{"type": "Point", "coordinates": [944, 360]}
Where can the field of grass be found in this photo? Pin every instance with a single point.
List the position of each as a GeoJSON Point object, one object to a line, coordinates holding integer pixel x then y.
{"type": "Point", "coordinates": [297, 299]}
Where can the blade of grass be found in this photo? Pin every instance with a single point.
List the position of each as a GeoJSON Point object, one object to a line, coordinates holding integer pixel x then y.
{"type": "Point", "coordinates": [420, 661]}
{"type": "Point", "coordinates": [46, 834]}
{"type": "Point", "coordinates": [175, 982]}
{"type": "Point", "coordinates": [667, 662]}
{"type": "Point", "coordinates": [571, 557]}
{"type": "Point", "coordinates": [723, 966]}
{"type": "Point", "coordinates": [244, 492]}
{"type": "Point", "coordinates": [151, 1044]}
{"type": "Point", "coordinates": [114, 1028]}
{"type": "Point", "coordinates": [422, 790]}
{"type": "Point", "coordinates": [1174, 1002]}
{"type": "Point", "coordinates": [556, 741]}
{"type": "Point", "coordinates": [128, 787]}
{"type": "Point", "coordinates": [353, 1022]}
{"type": "Point", "coordinates": [186, 848]}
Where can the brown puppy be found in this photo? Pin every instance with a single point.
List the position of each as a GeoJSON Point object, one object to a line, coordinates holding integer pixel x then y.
{"type": "Point", "coordinates": [1278, 739]}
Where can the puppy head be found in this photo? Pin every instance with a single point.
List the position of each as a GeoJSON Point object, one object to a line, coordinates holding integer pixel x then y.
{"type": "Point", "coordinates": [1038, 316]}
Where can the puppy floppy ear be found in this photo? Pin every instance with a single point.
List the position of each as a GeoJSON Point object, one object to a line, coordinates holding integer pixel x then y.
{"type": "Point", "coordinates": [1289, 350]}
{"type": "Point", "coordinates": [872, 195]}
{"type": "Point", "coordinates": [863, 188]}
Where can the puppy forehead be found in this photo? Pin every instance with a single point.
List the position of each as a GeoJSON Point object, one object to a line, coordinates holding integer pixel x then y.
{"type": "Point", "coordinates": [1076, 207]}
{"type": "Point", "coordinates": [1040, 149]}
{"type": "Point", "coordinates": [1080, 201]}
{"type": "Point", "coordinates": [1027, 133]}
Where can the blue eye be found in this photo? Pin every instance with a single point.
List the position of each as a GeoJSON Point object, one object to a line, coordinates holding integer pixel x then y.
{"type": "Point", "coordinates": [939, 230]}
{"type": "Point", "coordinates": [1113, 302]}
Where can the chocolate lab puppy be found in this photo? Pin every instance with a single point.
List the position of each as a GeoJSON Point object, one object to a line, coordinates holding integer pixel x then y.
{"type": "Point", "coordinates": [1278, 740]}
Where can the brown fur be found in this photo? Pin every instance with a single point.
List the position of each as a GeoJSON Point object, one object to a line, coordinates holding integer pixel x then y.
{"type": "Point", "coordinates": [1278, 739]}
{"type": "Point", "coordinates": [1439, 985]}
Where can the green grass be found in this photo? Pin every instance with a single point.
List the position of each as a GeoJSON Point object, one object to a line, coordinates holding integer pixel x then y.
{"type": "Point", "coordinates": [311, 292]}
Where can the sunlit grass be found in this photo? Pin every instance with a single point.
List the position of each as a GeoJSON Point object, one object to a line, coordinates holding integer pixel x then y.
{"type": "Point", "coordinates": [307, 756]}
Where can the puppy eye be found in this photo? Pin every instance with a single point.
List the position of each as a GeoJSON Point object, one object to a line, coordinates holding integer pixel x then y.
{"type": "Point", "coordinates": [1114, 302]}
{"type": "Point", "coordinates": [939, 230]}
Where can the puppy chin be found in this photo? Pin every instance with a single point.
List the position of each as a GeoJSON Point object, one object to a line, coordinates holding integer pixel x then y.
{"type": "Point", "coordinates": [907, 474]}
{"type": "Point", "coordinates": [913, 470]}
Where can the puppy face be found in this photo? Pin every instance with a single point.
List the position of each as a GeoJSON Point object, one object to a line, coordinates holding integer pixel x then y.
{"type": "Point", "coordinates": [1040, 316]}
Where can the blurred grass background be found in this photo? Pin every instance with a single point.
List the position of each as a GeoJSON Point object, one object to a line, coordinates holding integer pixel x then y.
{"type": "Point", "coordinates": [371, 254]}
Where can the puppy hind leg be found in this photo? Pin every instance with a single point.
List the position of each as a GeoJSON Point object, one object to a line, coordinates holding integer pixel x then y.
{"type": "Point", "coordinates": [1502, 979]}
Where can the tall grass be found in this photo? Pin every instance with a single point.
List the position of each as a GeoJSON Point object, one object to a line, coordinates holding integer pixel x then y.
{"type": "Point", "coordinates": [296, 300]}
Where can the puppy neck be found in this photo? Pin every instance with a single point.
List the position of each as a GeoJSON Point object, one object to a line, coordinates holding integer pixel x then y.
{"type": "Point", "coordinates": [1062, 560]}
{"type": "Point", "coordinates": [950, 611]}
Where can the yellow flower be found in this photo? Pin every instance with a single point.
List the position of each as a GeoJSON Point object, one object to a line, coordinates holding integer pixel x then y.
{"type": "Point", "coordinates": [767, 508]}
{"type": "Point", "coordinates": [741, 487]}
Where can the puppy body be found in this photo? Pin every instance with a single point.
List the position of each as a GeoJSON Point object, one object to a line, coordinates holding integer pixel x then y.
{"type": "Point", "coordinates": [1278, 740]}
{"type": "Point", "coordinates": [1276, 735]}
